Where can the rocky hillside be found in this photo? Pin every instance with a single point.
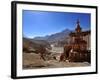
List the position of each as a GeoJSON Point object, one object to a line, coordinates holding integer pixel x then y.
{"type": "Point", "coordinates": [57, 38]}
{"type": "Point", "coordinates": [33, 45]}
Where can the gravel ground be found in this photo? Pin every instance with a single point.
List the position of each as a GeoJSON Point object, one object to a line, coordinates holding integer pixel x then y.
{"type": "Point", "coordinates": [33, 61]}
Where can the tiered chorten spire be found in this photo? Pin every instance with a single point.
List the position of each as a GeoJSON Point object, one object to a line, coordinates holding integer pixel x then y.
{"type": "Point", "coordinates": [78, 28]}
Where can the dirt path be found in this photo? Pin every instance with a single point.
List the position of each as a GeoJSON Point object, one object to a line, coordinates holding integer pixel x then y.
{"type": "Point", "coordinates": [33, 60]}
{"type": "Point", "coordinates": [57, 49]}
{"type": "Point", "coordinates": [53, 63]}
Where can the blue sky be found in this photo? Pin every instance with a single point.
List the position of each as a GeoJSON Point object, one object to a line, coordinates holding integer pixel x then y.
{"type": "Point", "coordinates": [42, 23]}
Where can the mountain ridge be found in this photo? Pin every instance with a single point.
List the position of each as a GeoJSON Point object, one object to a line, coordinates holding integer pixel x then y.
{"type": "Point", "coordinates": [59, 36]}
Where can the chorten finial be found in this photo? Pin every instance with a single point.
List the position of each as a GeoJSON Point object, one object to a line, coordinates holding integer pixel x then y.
{"type": "Point", "coordinates": [78, 21]}
{"type": "Point", "coordinates": [78, 28]}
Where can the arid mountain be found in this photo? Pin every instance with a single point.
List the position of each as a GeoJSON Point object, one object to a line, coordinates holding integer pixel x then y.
{"type": "Point", "coordinates": [44, 43]}
{"type": "Point", "coordinates": [34, 45]}
{"type": "Point", "coordinates": [61, 36]}
{"type": "Point", "coordinates": [41, 38]}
